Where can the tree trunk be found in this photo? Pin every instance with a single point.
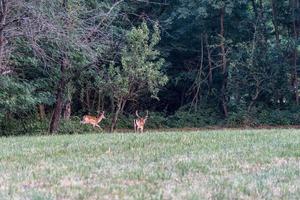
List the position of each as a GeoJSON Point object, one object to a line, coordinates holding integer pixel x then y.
{"type": "Point", "coordinates": [123, 106]}
{"type": "Point", "coordinates": [224, 65]}
{"type": "Point", "coordinates": [254, 8]}
{"type": "Point", "coordinates": [210, 75]}
{"type": "Point", "coordinates": [182, 97]}
{"type": "Point", "coordinates": [55, 119]}
{"type": "Point", "coordinates": [274, 20]}
{"type": "Point", "coordinates": [254, 98]}
{"type": "Point", "coordinates": [2, 38]}
{"type": "Point", "coordinates": [56, 116]}
{"type": "Point", "coordinates": [112, 104]}
{"type": "Point", "coordinates": [295, 70]}
{"type": "Point", "coordinates": [100, 100]}
{"type": "Point", "coordinates": [94, 101]}
{"type": "Point", "coordinates": [197, 84]}
{"type": "Point", "coordinates": [119, 108]}
{"type": "Point", "coordinates": [42, 114]}
{"type": "Point", "coordinates": [67, 110]}
{"type": "Point", "coordinates": [115, 117]}
{"type": "Point", "coordinates": [295, 78]}
{"type": "Point", "coordinates": [88, 100]}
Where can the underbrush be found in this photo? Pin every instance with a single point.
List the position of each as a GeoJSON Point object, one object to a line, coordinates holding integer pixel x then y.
{"type": "Point", "coordinates": [181, 119]}
{"type": "Point", "coordinates": [261, 117]}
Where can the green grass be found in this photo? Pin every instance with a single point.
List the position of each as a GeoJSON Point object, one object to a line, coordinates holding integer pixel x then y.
{"type": "Point", "coordinates": [225, 164]}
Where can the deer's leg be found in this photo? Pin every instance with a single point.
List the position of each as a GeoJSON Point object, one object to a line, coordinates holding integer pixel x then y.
{"type": "Point", "coordinates": [134, 126]}
{"type": "Point", "coordinates": [98, 126]}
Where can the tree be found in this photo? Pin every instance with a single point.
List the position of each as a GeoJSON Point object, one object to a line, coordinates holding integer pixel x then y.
{"type": "Point", "coordinates": [220, 56]}
{"type": "Point", "coordinates": [140, 69]}
{"type": "Point", "coordinates": [67, 31]}
{"type": "Point", "coordinates": [15, 97]}
{"type": "Point", "coordinates": [9, 18]}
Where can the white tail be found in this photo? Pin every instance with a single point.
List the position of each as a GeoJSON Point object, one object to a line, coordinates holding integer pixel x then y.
{"type": "Point", "coordinates": [88, 119]}
{"type": "Point", "coordinates": [139, 123]}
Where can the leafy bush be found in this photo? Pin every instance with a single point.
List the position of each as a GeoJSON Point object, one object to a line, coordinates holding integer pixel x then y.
{"type": "Point", "coordinates": [240, 119]}
{"type": "Point", "coordinates": [73, 126]}
{"type": "Point", "coordinates": [30, 125]}
{"type": "Point", "coordinates": [15, 96]}
{"type": "Point", "coordinates": [202, 118]}
{"type": "Point", "coordinates": [23, 126]}
{"type": "Point", "coordinates": [156, 121]}
{"type": "Point", "coordinates": [279, 117]}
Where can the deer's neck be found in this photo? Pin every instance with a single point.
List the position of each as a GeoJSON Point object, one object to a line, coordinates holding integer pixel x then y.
{"type": "Point", "coordinates": [99, 119]}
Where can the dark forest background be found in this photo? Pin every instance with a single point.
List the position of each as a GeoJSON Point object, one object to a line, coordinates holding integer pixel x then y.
{"type": "Point", "coordinates": [191, 63]}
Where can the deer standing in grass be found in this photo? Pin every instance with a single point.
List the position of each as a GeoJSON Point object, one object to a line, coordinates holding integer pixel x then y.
{"type": "Point", "coordinates": [139, 123]}
{"type": "Point", "coordinates": [88, 119]}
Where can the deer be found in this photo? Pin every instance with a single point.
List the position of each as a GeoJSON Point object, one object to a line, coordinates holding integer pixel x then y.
{"type": "Point", "coordinates": [139, 123]}
{"type": "Point", "coordinates": [93, 120]}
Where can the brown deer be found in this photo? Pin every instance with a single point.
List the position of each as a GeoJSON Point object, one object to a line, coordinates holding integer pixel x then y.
{"type": "Point", "coordinates": [88, 119]}
{"type": "Point", "coordinates": [139, 123]}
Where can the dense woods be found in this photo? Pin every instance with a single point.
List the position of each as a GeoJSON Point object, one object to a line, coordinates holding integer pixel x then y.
{"type": "Point", "coordinates": [191, 63]}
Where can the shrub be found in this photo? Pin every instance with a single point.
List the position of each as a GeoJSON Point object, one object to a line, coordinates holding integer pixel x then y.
{"type": "Point", "coordinates": [156, 121]}
{"type": "Point", "coordinates": [279, 117]}
{"type": "Point", "coordinates": [240, 119]}
{"type": "Point", "coordinates": [23, 126]}
{"type": "Point", "coordinates": [196, 119]}
{"type": "Point", "coordinates": [73, 126]}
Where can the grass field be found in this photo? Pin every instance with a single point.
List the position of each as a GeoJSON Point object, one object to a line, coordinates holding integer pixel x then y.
{"type": "Point", "coordinates": [224, 164]}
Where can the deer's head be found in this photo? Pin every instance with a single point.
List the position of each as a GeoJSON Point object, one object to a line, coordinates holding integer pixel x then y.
{"type": "Point", "coordinates": [142, 120]}
{"type": "Point", "coordinates": [101, 116]}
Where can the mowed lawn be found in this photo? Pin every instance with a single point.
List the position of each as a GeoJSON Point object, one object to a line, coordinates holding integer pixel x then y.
{"type": "Point", "coordinates": [223, 164]}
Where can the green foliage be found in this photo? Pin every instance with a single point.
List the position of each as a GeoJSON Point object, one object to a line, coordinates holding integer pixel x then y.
{"type": "Point", "coordinates": [156, 120]}
{"type": "Point", "coordinates": [18, 104]}
{"type": "Point", "coordinates": [23, 125]}
{"type": "Point", "coordinates": [241, 118]}
{"type": "Point", "coordinates": [15, 96]}
{"type": "Point", "coordinates": [163, 56]}
{"type": "Point", "coordinates": [73, 126]}
{"type": "Point", "coordinates": [203, 118]}
{"type": "Point", "coordinates": [279, 117]}
{"type": "Point", "coordinates": [141, 65]}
